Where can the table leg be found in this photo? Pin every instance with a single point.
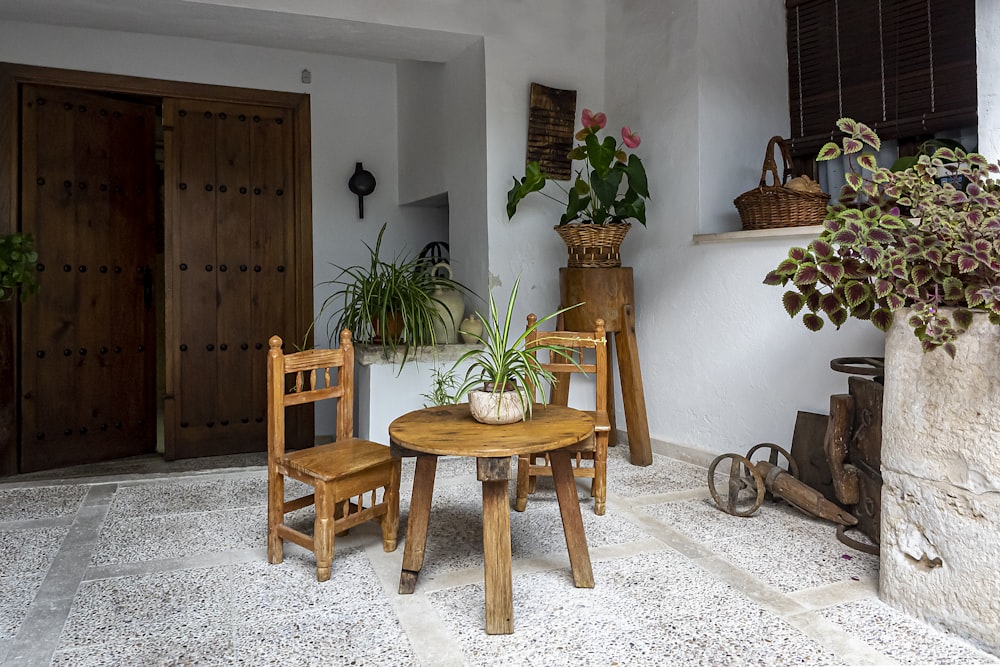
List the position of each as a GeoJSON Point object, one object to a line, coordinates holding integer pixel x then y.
{"type": "Point", "coordinates": [494, 474]}
{"type": "Point", "coordinates": [416, 524]}
{"type": "Point", "coordinates": [572, 519]}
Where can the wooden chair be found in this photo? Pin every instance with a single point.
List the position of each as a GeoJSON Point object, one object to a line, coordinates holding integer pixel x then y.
{"type": "Point", "coordinates": [529, 467]}
{"type": "Point", "coordinates": [345, 474]}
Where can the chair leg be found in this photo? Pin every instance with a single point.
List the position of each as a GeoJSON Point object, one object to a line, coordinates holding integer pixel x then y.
{"type": "Point", "coordinates": [532, 460]}
{"type": "Point", "coordinates": [599, 487]}
{"type": "Point", "coordinates": [323, 532]}
{"type": "Point", "coordinates": [275, 516]}
{"type": "Point", "coordinates": [521, 497]}
{"type": "Point", "coordinates": [390, 520]}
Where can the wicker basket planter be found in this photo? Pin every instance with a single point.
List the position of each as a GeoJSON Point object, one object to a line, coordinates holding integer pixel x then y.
{"type": "Point", "coordinates": [593, 246]}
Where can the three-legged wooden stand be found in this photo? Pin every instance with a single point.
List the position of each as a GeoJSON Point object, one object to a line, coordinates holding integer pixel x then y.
{"type": "Point", "coordinates": [609, 293]}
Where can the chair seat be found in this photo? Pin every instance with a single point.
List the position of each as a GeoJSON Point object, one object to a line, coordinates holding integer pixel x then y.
{"type": "Point", "coordinates": [337, 459]}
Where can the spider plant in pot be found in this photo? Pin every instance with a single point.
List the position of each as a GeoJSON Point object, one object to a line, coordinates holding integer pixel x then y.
{"type": "Point", "coordinates": [504, 377]}
{"type": "Point", "coordinates": [389, 303]}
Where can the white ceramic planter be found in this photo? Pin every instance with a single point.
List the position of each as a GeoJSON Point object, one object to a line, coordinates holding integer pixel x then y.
{"type": "Point", "coordinates": [940, 550]}
{"type": "Point", "coordinates": [488, 407]}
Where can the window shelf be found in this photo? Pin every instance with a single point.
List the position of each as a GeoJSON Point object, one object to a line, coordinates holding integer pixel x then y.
{"type": "Point", "coordinates": [810, 231]}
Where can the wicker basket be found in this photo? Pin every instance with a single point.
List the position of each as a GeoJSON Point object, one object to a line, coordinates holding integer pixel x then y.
{"type": "Point", "coordinates": [593, 246]}
{"type": "Point", "coordinates": [773, 206]}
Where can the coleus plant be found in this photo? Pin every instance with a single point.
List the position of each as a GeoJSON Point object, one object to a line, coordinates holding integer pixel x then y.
{"type": "Point", "coordinates": [901, 239]}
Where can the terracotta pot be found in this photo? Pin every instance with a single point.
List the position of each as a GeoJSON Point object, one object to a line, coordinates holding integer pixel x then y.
{"type": "Point", "coordinates": [389, 329]}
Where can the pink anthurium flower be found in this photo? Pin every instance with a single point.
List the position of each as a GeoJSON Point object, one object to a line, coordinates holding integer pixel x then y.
{"type": "Point", "coordinates": [631, 139]}
{"type": "Point", "coordinates": [595, 120]}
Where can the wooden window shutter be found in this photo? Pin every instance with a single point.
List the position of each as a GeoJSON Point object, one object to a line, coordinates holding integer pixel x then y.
{"type": "Point", "coordinates": [904, 67]}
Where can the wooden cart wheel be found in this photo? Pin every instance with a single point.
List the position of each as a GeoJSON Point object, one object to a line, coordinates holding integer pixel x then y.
{"type": "Point", "coordinates": [742, 477]}
{"type": "Point", "coordinates": [859, 365]}
{"type": "Point", "coordinates": [792, 468]}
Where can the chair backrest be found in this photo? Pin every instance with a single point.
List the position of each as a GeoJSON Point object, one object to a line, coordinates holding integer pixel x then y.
{"type": "Point", "coordinates": [306, 377]}
{"type": "Point", "coordinates": [562, 368]}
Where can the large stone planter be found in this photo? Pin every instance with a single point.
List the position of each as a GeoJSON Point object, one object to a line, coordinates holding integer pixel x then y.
{"type": "Point", "coordinates": [940, 557]}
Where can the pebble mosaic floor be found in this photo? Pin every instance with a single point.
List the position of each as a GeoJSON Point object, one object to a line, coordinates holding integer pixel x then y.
{"type": "Point", "coordinates": [170, 568]}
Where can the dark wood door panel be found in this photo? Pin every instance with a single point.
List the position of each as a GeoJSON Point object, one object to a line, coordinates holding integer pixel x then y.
{"type": "Point", "coordinates": [88, 337]}
{"type": "Point", "coordinates": [231, 269]}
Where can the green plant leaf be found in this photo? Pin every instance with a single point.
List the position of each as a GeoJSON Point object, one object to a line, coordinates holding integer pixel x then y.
{"type": "Point", "coordinates": [533, 181]}
{"type": "Point", "coordinates": [636, 173]}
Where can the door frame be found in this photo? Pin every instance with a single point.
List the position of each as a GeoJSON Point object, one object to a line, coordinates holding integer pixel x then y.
{"type": "Point", "coordinates": [11, 77]}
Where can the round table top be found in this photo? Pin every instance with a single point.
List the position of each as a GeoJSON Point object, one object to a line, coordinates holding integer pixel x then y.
{"type": "Point", "coordinates": [450, 430]}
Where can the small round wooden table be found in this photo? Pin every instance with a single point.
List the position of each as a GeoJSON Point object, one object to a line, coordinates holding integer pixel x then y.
{"type": "Point", "coordinates": [450, 430]}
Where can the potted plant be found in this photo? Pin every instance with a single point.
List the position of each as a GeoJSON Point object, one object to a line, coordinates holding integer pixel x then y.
{"type": "Point", "coordinates": [390, 303]}
{"type": "Point", "coordinates": [17, 266]}
{"type": "Point", "coordinates": [610, 189]}
{"type": "Point", "coordinates": [941, 261]}
{"type": "Point", "coordinates": [504, 377]}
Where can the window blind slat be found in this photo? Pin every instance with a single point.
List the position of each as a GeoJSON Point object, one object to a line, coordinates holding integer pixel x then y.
{"type": "Point", "coordinates": [904, 66]}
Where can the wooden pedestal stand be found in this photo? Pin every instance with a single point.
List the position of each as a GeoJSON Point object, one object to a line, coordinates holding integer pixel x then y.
{"type": "Point", "coordinates": [608, 293]}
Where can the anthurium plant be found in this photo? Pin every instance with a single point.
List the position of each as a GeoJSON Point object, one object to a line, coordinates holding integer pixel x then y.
{"type": "Point", "coordinates": [898, 239]}
{"type": "Point", "coordinates": [611, 186]}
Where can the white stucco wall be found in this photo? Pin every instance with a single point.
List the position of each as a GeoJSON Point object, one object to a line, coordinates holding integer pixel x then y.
{"type": "Point", "coordinates": [703, 81]}
{"type": "Point", "coordinates": [988, 76]}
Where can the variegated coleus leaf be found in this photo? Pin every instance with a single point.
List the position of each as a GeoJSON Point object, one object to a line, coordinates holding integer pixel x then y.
{"type": "Point", "coordinates": [838, 317]}
{"type": "Point", "coordinates": [962, 318]}
{"type": "Point", "coordinates": [894, 301]}
{"type": "Point", "coordinates": [920, 274]}
{"type": "Point", "coordinates": [868, 161]}
{"type": "Point", "coordinates": [967, 264]}
{"type": "Point", "coordinates": [855, 269]}
{"type": "Point", "coordinates": [871, 254]}
{"type": "Point", "coordinates": [952, 289]}
{"type": "Point", "coordinates": [787, 267]}
{"type": "Point", "coordinates": [882, 318]}
{"type": "Point", "coordinates": [829, 303]}
{"type": "Point", "coordinates": [833, 270]}
{"type": "Point", "coordinates": [867, 135]}
{"type": "Point", "coordinates": [933, 255]}
{"type": "Point", "coordinates": [946, 155]}
{"type": "Point", "coordinates": [829, 151]}
{"type": "Point", "coordinates": [856, 292]}
{"type": "Point", "coordinates": [797, 253]}
{"type": "Point", "coordinates": [882, 288]}
{"type": "Point", "coordinates": [793, 302]}
{"type": "Point", "coordinates": [812, 298]}
{"type": "Point", "coordinates": [881, 176]}
{"type": "Point", "coordinates": [976, 160]}
{"type": "Point", "coordinates": [950, 348]}
{"type": "Point", "coordinates": [878, 235]}
{"type": "Point", "coordinates": [834, 225]}
{"type": "Point", "coordinates": [854, 180]}
{"type": "Point", "coordinates": [812, 321]}
{"type": "Point", "coordinates": [845, 237]}
{"type": "Point", "coordinates": [852, 145]}
{"type": "Point", "coordinates": [821, 249]}
{"type": "Point", "coordinates": [847, 125]}
{"type": "Point", "coordinates": [773, 278]}
{"type": "Point", "coordinates": [863, 310]}
{"type": "Point", "coordinates": [806, 274]}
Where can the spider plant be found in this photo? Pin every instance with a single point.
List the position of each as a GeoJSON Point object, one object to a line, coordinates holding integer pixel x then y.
{"type": "Point", "coordinates": [387, 303]}
{"type": "Point", "coordinates": [504, 363]}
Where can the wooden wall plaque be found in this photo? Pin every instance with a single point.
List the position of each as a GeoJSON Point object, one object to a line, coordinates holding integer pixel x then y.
{"type": "Point", "coordinates": [551, 119]}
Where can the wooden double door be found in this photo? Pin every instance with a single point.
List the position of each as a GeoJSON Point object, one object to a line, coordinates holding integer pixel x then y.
{"type": "Point", "coordinates": [164, 267]}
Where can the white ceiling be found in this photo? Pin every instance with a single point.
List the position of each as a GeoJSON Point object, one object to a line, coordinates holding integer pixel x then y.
{"type": "Point", "coordinates": [183, 18]}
